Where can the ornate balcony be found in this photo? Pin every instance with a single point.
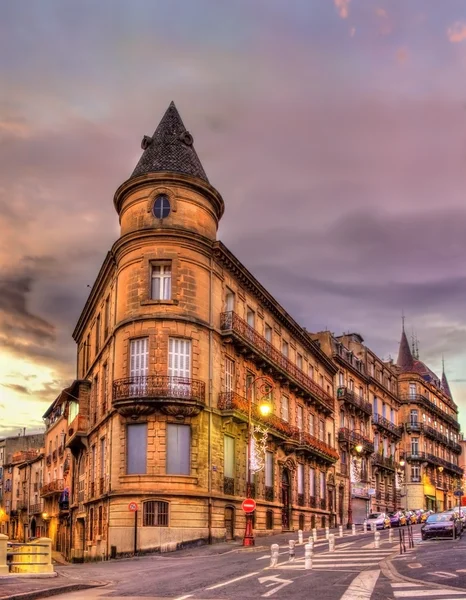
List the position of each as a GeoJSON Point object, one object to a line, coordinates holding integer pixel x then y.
{"type": "Point", "coordinates": [292, 438]}
{"type": "Point", "coordinates": [246, 338]}
{"type": "Point", "coordinates": [22, 505]}
{"type": "Point", "coordinates": [348, 396]}
{"type": "Point", "coordinates": [386, 426]}
{"type": "Point", "coordinates": [354, 438]}
{"type": "Point", "coordinates": [171, 395]}
{"type": "Point", "coordinates": [36, 509]}
{"type": "Point", "coordinates": [53, 487]}
{"type": "Point", "coordinates": [77, 433]}
{"type": "Point", "coordinates": [411, 455]}
{"type": "Point", "coordinates": [421, 400]}
{"type": "Point", "coordinates": [384, 462]}
{"type": "Point", "coordinates": [414, 426]}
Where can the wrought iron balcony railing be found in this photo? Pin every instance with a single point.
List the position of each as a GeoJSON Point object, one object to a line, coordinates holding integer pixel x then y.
{"type": "Point", "coordinates": [36, 509]}
{"type": "Point", "coordinates": [413, 455]}
{"type": "Point", "coordinates": [421, 400]}
{"type": "Point", "coordinates": [22, 505]}
{"type": "Point", "coordinates": [385, 462]}
{"type": "Point", "coordinates": [386, 425]}
{"type": "Point", "coordinates": [231, 401]}
{"type": "Point", "coordinates": [354, 438]}
{"type": "Point", "coordinates": [53, 487]}
{"type": "Point", "coordinates": [344, 393]}
{"type": "Point", "coordinates": [231, 323]}
{"type": "Point", "coordinates": [173, 395]}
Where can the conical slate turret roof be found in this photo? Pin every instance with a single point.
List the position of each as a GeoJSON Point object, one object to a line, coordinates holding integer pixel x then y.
{"type": "Point", "coordinates": [405, 358]}
{"type": "Point", "coordinates": [170, 149]}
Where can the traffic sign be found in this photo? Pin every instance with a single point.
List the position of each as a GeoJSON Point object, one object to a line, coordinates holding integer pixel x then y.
{"type": "Point", "coordinates": [458, 493]}
{"type": "Point", "coordinates": [132, 506]}
{"type": "Point", "coordinates": [248, 505]}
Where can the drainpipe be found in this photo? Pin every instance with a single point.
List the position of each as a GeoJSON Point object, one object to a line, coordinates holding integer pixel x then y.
{"type": "Point", "coordinates": [111, 420]}
{"type": "Point", "coordinates": [209, 431]}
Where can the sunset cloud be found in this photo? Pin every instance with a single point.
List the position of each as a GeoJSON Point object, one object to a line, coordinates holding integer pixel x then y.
{"type": "Point", "coordinates": [342, 7]}
{"type": "Point", "coordinates": [457, 32]}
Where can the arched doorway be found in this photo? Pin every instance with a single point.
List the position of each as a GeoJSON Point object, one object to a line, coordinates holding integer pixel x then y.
{"type": "Point", "coordinates": [229, 523]}
{"type": "Point", "coordinates": [286, 509]}
{"type": "Point", "coordinates": [33, 528]}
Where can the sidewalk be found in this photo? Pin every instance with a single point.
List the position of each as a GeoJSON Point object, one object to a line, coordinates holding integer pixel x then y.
{"type": "Point", "coordinates": [15, 588]}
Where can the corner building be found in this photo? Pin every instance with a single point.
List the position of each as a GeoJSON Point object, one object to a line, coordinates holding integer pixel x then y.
{"type": "Point", "coordinates": [171, 341]}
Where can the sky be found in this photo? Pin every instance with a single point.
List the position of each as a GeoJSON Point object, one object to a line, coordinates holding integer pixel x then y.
{"type": "Point", "coordinates": [335, 131]}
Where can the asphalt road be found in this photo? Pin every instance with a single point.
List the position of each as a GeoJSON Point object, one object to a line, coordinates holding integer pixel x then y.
{"type": "Point", "coordinates": [355, 571]}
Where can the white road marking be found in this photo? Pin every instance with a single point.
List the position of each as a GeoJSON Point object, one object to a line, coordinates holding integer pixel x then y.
{"type": "Point", "coordinates": [274, 579]}
{"type": "Point", "coordinates": [401, 585]}
{"type": "Point", "coordinates": [362, 586]}
{"type": "Point", "coordinates": [214, 587]}
{"type": "Point", "coordinates": [444, 574]}
{"type": "Point", "coordinates": [424, 593]}
{"type": "Point", "coordinates": [183, 597]}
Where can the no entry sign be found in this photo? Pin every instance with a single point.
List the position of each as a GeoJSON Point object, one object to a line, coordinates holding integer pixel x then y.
{"type": "Point", "coordinates": [132, 506]}
{"type": "Point", "coordinates": [248, 505]}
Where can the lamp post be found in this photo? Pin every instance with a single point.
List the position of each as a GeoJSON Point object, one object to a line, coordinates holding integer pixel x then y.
{"type": "Point", "coordinates": [358, 447]}
{"type": "Point", "coordinates": [264, 408]}
{"type": "Point", "coordinates": [437, 504]}
{"type": "Point", "coordinates": [402, 471]}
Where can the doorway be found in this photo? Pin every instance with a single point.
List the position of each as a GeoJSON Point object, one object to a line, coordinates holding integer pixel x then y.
{"type": "Point", "coordinates": [286, 509]}
{"type": "Point", "coordinates": [33, 528]}
{"type": "Point", "coordinates": [229, 523]}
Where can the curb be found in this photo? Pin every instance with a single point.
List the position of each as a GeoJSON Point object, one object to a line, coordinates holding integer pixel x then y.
{"type": "Point", "coordinates": [389, 570]}
{"type": "Point", "coordinates": [47, 592]}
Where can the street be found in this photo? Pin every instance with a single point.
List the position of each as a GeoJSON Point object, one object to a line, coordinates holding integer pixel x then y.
{"type": "Point", "coordinates": [355, 570]}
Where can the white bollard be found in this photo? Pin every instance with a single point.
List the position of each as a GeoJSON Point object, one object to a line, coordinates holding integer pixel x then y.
{"type": "Point", "coordinates": [314, 534]}
{"type": "Point", "coordinates": [377, 539]}
{"type": "Point", "coordinates": [390, 535]}
{"type": "Point", "coordinates": [331, 543]}
{"type": "Point", "coordinates": [365, 526]}
{"type": "Point", "coordinates": [308, 556]}
{"type": "Point", "coordinates": [300, 536]}
{"type": "Point", "coordinates": [373, 527]}
{"type": "Point", "coordinates": [291, 550]}
{"type": "Point", "coordinates": [353, 529]}
{"type": "Point", "coordinates": [340, 531]}
{"type": "Point", "coordinates": [311, 542]}
{"type": "Point", "coordinates": [326, 533]}
{"type": "Point", "coordinates": [274, 555]}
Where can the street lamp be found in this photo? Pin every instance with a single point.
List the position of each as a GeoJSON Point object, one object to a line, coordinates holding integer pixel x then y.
{"type": "Point", "coordinates": [402, 473]}
{"type": "Point", "coordinates": [264, 409]}
{"type": "Point", "coordinates": [437, 504]}
{"type": "Point", "coordinates": [358, 447]}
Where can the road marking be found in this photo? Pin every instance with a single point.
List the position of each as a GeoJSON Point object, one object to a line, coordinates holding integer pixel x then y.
{"type": "Point", "coordinates": [362, 586]}
{"type": "Point", "coordinates": [423, 593]}
{"type": "Point", "coordinates": [184, 597]}
{"type": "Point", "coordinates": [274, 579]}
{"type": "Point", "coordinates": [214, 587]}
{"type": "Point", "coordinates": [415, 566]}
{"type": "Point", "coordinates": [444, 574]}
{"type": "Point", "coordinates": [401, 585]}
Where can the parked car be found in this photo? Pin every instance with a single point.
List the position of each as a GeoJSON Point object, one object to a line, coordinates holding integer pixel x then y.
{"type": "Point", "coordinates": [444, 524]}
{"type": "Point", "coordinates": [397, 519]}
{"type": "Point", "coordinates": [459, 514]}
{"type": "Point", "coordinates": [411, 517]}
{"type": "Point", "coordinates": [380, 520]}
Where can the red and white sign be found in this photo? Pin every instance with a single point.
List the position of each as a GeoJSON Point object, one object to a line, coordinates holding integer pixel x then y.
{"type": "Point", "coordinates": [132, 506]}
{"type": "Point", "coordinates": [248, 505]}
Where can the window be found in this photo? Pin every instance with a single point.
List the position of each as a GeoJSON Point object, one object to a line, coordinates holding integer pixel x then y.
{"type": "Point", "coordinates": [102, 457]}
{"type": "Point", "coordinates": [285, 408]}
{"type": "Point", "coordinates": [268, 333]}
{"type": "Point", "coordinates": [90, 529]}
{"type": "Point", "coordinates": [229, 456]}
{"type": "Point", "coordinates": [361, 392]}
{"type": "Point", "coordinates": [229, 300]}
{"type": "Point", "coordinates": [351, 384]}
{"type": "Point", "coordinates": [375, 405]}
{"type": "Point", "coordinates": [376, 442]}
{"type": "Point", "coordinates": [392, 415]}
{"type": "Point", "coordinates": [413, 416]}
{"type": "Point", "coordinates": [299, 361]}
{"type": "Point", "coordinates": [250, 317]}
{"type": "Point", "coordinates": [300, 417]}
{"type": "Point", "coordinates": [269, 519]}
{"type": "Point", "coordinates": [95, 399]}
{"type": "Point", "coordinates": [384, 410]}
{"type": "Point", "coordinates": [341, 379]}
{"type": "Point", "coordinates": [311, 424]}
{"type": "Point", "coordinates": [312, 482]}
{"type": "Point", "coordinates": [322, 486]}
{"type": "Point", "coordinates": [179, 364]}
{"type": "Point", "coordinates": [250, 389]}
{"type": "Point", "coordinates": [412, 390]}
{"type": "Point", "coordinates": [342, 418]}
{"type": "Point", "coordinates": [107, 316]}
{"type": "Point", "coordinates": [97, 334]}
{"type": "Point", "coordinates": [93, 464]}
{"type": "Point", "coordinates": [285, 349]}
{"type": "Point", "coordinates": [229, 375]}
{"type": "Point", "coordinates": [311, 372]}
{"type": "Point", "coordinates": [268, 469]}
{"type": "Point", "coordinates": [155, 514]}
{"type": "Point", "coordinates": [414, 445]}
{"type": "Point", "coordinates": [104, 388]}
{"type": "Point", "coordinates": [161, 282]}
{"type": "Point", "coordinates": [87, 353]}
{"type": "Point", "coordinates": [99, 523]}
{"type": "Point", "coordinates": [321, 381]}
{"type": "Point", "coordinates": [136, 450]}
{"type": "Point", "coordinates": [415, 473]}
{"type": "Point", "coordinates": [300, 478]}
{"type": "Point", "coordinates": [161, 208]}
{"type": "Point", "coordinates": [178, 449]}
{"type": "Point", "coordinates": [138, 364]}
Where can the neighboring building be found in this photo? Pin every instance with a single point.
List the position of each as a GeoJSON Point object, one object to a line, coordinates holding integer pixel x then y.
{"type": "Point", "coordinates": [368, 431]}
{"type": "Point", "coordinates": [171, 339]}
{"type": "Point", "coordinates": [31, 477]}
{"type": "Point", "coordinates": [56, 482]}
{"type": "Point", "coordinates": [431, 439]}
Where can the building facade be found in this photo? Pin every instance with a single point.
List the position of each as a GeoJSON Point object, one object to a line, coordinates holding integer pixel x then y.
{"type": "Point", "coordinates": [431, 438]}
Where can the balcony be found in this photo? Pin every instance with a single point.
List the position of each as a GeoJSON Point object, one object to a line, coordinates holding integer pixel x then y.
{"type": "Point", "coordinates": [245, 337]}
{"type": "Point", "coordinates": [171, 395]}
{"type": "Point", "coordinates": [347, 357]}
{"type": "Point", "coordinates": [60, 450]}
{"type": "Point", "coordinates": [48, 460]}
{"type": "Point", "coordinates": [292, 438]}
{"type": "Point", "coordinates": [386, 426]}
{"type": "Point", "coordinates": [36, 509]}
{"type": "Point", "coordinates": [414, 455]}
{"type": "Point", "coordinates": [414, 426]}
{"type": "Point", "coordinates": [20, 506]}
{"type": "Point", "coordinates": [353, 438]}
{"type": "Point", "coordinates": [54, 455]}
{"type": "Point", "coordinates": [354, 400]}
{"type": "Point", "coordinates": [384, 462]}
{"type": "Point", "coordinates": [53, 487]}
{"type": "Point", "coordinates": [421, 400]}
{"type": "Point", "coordinates": [77, 433]}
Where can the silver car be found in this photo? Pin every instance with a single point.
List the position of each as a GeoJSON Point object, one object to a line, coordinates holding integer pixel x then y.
{"type": "Point", "coordinates": [379, 520]}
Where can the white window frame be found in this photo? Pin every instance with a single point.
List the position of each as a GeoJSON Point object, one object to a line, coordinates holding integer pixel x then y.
{"type": "Point", "coordinates": [229, 374]}
{"type": "Point", "coordinates": [285, 408]}
{"type": "Point", "coordinates": [179, 365]}
{"type": "Point", "coordinates": [161, 281]}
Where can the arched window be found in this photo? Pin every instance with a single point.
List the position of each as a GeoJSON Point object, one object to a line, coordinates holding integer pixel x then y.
{"type": "Point", "coordinates": [155, 513]}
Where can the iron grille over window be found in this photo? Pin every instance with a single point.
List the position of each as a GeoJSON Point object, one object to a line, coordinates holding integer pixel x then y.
{"type": "Point", "coordinates": [155, 514]}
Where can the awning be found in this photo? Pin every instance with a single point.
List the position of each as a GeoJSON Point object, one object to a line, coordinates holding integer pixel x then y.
{"type": "Point", "coordinates": [431, 498]}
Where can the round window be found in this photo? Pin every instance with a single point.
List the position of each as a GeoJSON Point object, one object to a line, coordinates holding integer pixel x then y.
{"type": "Point", "coordinates": [161, 208]}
